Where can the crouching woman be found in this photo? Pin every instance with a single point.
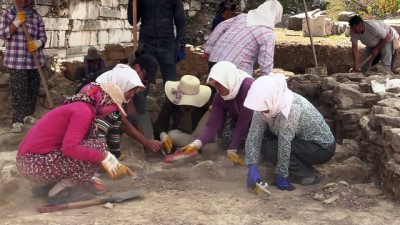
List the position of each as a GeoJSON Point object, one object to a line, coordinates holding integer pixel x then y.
{"type": "Point", "coordinates": [62, 150]}
{"type": "Point", "coordinates": [288, 130]}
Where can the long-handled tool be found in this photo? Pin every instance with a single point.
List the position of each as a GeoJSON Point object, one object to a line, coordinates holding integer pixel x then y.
{"type": "Point", "coordinates": [134, 22]}
{"type": "Point", "coordinates": [37, 63]}
{"type": "Point", "coordinates": [362, 63]}
{"type": "Point", "coordinates": [117, 198]}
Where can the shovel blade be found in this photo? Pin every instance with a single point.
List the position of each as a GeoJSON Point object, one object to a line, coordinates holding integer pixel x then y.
{"type": "Point", "coordinates": [123, 196]}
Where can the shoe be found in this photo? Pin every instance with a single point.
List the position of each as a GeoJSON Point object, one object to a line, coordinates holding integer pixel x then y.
{"type": "Point", "coordinates": [17, 127]}
{"type": "Point", "coordinates": [60, 186]}
{"type": "Point", "coordinates": [41, 190]}
{"type": "Point", "coordinates": [29, 120]}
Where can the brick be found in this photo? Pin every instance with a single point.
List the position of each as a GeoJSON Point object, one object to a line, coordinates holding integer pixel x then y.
{"type": "Point", "coordinates": [109, 13]}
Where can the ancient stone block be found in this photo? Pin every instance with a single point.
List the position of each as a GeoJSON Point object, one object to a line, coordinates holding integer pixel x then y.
{"type": "Point", "coordinates": [347, 97]}
{"type": "Point", "coordinates": [79, 38]}
{"type": "Point", "coordinates": [107, 3]}
{"type": "Point", "coordinates": [84, 10]}
{"type": "Point", "coordinates": [117, 36]}
{"type": "Point", "coordinates": [56, 23]}
{"type": "Point", "coordinates": [79, 25]}
{"type": "Point", "coordinates": [44, 2]}
{"type": "Point", "coordinates": [320, 27]}
{"type": "Point", "coordinates": [112, 24]}
{"type": "Point", "coordinates": [103, 37]}
{"type": "Point", "coordinates": [123, 2]}
{"type": "Point", "coordinates": [109, 13]}
{"type": "Point", "coordinates": [345, 16]}
{"type": "Point", "coordinates": [43, 10]}
{"type": "Point", "coordinates": [123, 12]}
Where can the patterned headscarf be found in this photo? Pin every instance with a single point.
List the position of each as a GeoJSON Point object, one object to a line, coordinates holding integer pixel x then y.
{"type": "Point", "coordinates": [93, 94]}
{"type": "Point", "coordinates": [28, 10]}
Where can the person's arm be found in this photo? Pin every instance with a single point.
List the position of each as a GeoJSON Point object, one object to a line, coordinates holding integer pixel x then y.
{"type": "Point", "coordinates": [134, 133]}
{"type": "Point", "coordinates": [216, 34]}
{"type": "Point", "coordinates": [7, 27]}
{"type": "Point", "coordinates": [162, 122]}
{"type": "Point", "coordinates": [356, 56]}
{"type": "Point", "coordinates": [381, 43]}
{"type": "Point", "coordinates": [86, 66]}
{"type": "Point", "coordinates": [179, 21]}
{"type": "Point", "coordinates": [254, 139]}
{"type": "Point", "coordinates": [79, 124]}
{"type": "Point", "coordinates": [214, 123]}
{"type": "Point", "coordinates": [130, 13]}
{"type": "Point", "coordinates": [266, 39]}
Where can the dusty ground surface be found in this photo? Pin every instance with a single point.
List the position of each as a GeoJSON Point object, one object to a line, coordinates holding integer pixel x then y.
{"type": "Point", "coordinates": [210, 192]}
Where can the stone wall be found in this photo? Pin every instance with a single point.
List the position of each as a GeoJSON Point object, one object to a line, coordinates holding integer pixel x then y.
{"type": "Point", "coordinates": [72, 25]}
{"type": "Point", "coordinates": [354, 112]}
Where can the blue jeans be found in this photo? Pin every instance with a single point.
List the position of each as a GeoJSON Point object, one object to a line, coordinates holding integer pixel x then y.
{"type": "Point", "coordinates": [165, 56]}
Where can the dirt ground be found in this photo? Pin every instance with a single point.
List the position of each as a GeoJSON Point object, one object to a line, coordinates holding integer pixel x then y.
{"type": "Point", "coordinates": [210, 192]}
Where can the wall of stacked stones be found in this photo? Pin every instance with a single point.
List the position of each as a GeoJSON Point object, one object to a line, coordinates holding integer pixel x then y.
{"type": "Point", "coordinates": [353, 111]}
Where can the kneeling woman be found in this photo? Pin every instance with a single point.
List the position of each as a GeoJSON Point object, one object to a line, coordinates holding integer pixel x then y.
{"type": "Point", "coordinates": [62, 148]}
{"type": "Point", "coordinates": [289, 130]}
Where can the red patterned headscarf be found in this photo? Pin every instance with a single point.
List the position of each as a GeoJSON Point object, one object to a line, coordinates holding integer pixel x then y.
{"type": "Point", "coordinates": [93, 94]}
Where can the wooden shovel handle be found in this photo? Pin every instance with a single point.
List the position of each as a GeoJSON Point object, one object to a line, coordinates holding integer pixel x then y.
{"type": "Point", "coordinates": [72, 205]}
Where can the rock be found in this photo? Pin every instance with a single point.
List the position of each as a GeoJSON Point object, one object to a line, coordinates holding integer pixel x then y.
{"type": "Point", "coordinates": [393, 166]}
{"type": "Point", "coordinates": [108, 205]}
{"type": "Point", "coordinates": [295, 22]}
{"type": "Point", "coordinates": [345, 16]}
{"type": "Point", "coordinates": [329, 185]}
{"type": "Point", "coordinates": [320, 27]}
{"type": "Point", "coordinates": [318, 196]}
{"type": "Point", "coordinates": [347, 97]}
{"type": "Point", "coordinates": [331, 199]}
{"type": "Point", "coordinates": [344, 183]}
{"type": "Point", "coordinates": [326, 98]}
{"type": "Point", "coordinates": [329, 83]}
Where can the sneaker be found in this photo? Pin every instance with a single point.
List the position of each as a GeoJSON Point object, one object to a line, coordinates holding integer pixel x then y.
{"type": "Point", "coordinates": [30, 120]}
{"type": "Point", "coordinates": [17, 127]}
{"type": "Point", "coordinates": [60, 186]}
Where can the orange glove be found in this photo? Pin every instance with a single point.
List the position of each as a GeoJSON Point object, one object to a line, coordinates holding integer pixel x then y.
{"type": "Point", "coordinates": [33, 45]}
{"type": "Point", "coordinates": [194, 146]}
{"type": "Point", "coordinates": [234, 157]}
{"type": "Point", "coordinates": [113, 167]}
{"type": "Point", "coordinates": [166, 142]}
{"type": "Point", "coordinates": [19, 19]}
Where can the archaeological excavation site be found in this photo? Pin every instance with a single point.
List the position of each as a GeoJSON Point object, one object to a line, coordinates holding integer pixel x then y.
{"type": "Point", "coordinates": [359, 184]}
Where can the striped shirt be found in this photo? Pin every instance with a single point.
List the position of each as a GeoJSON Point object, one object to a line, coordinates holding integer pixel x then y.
{"type": "Point", "coordinates": [234, 42]}
{"type": "Point", "coordinates": [17, 55]}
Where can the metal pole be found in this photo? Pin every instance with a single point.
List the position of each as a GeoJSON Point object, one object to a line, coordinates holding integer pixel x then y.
{"type": "Point", "coordinates": [309, 34]}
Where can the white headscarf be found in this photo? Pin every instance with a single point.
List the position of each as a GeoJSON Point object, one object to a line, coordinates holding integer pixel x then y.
{"type": "Point", "coordinates": [271, 93]}
{"type": "Point", "coordinates": [122, 75]}
{"type": "Point", "coordinates": [229, 76]}
{"type": "Point", "coordinates": [267, 14]}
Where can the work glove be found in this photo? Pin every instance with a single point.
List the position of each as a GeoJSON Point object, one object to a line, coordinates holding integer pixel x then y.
{"type": "Point", "coordinates": [180, 54]}
{"type": "Point", "coordinates": [234, 157]}
{"type": "Point", "coordinates": [194, 146]}
{"type": "Point", "coordinates": [33, 45]}
{"type": "Point", "coordinates": [283, 184]}
{"type": "Point", "coordinates": [113, 167]}
{"type": "Point", "coordinates": [166, 142]}
{"type": "Point", "coordinates": [253, 176]}
{"type": "Point", "coordinates": [19, 19]}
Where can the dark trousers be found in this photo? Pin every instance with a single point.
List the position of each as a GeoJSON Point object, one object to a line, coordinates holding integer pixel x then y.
{"type": "Point", "coordinates": [304, 154]}
{"type": "Point", "coordinates": [24, 92]}
{"type": "Point", "coordinates": [165, 56]}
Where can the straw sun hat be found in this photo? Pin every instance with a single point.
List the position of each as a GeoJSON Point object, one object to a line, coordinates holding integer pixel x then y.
{"type": "Point", "coordinates": [187, 91]}
{"type": "Point", "coordinates": [116, 94]}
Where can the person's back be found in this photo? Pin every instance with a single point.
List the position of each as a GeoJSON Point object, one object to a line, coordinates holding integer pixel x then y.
{"type": "Point", "coordinates": [240, 44]}
{"type": "Point", "coordinates": [157, 21]}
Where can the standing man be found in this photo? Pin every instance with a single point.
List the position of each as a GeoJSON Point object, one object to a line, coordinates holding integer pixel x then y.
{"type": "Point", "coordinates": [157, 37]}
{"type": "Point", "coordinates": [380, 39]}
{"type": "Point", "coordinates": [246, 37]}
{"type": "Point", "coordinates": [24, 76]}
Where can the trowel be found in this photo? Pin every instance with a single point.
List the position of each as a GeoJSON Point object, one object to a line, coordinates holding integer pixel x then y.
{"type": "Point", "coordinates": [261, 190]}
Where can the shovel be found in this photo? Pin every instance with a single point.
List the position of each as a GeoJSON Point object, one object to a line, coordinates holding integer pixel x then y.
{"type": "Point", "coordinates": [362, 63]}
{"type": "Point", "coordinates": [117, 198]}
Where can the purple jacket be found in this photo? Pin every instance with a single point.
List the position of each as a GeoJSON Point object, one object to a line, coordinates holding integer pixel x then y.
{"type": "Point", "coordinates": [237, 111]}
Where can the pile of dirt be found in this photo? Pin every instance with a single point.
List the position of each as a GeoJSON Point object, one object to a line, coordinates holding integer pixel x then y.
{"type": "Point", "coordinates": [342, 194]}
